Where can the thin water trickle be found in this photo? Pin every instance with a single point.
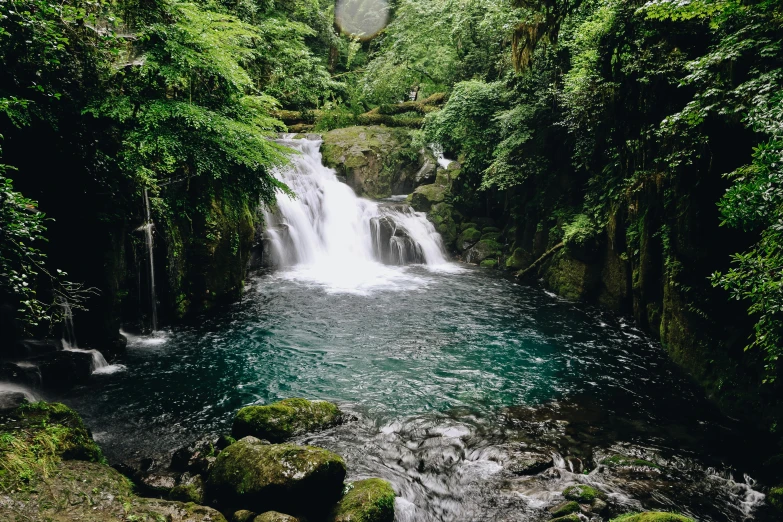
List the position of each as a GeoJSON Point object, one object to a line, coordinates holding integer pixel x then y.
{"type": "Point", "coordinates": [99, 363]}
{"type": "Point", "coordinates": [148, 228]}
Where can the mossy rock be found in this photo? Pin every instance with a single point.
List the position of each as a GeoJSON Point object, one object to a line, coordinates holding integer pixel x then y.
{"type": "Point", "coordinates": [571, 278]}
{"type": "Point", "coordinates": [466, 226]}
{"type": "Point", "coordinates": [90, 491]}
{"type": "Point", "coordinates": [243, 515]}
{"type": "Point", "coordinates": [376, 161]}
{"type": "Point", "coordinates": [251, 474]}
{"type": "Point", "coordinates": [621, 461]}
{"type": "Point", "coordinates": [491, 236]}
{"type": "Point", "coordinates": [445, 218]}
{"type": "Point", "coordinates": [775, 498]}
{"type": "Point", "coordinates": [573, 517]}
{"type": "Point", "coordinates": [468, 238]}
{"type": "Point", "coordinates": [36, 436]}
{"type": "Point", "coordinates": [581, 493]}
{"type": "Point", "coordinates": [275, 516]}
{"type": "Point", "coordinates": [566, 508]}
{"type": "Point", "coordinates": [490, 230]}
{"type": "Point", "coordinates": [652, 516]}
{"type": "Point", "coordinates": [482, 250]}
{"type": "Point", "coordinates": [518, 259]}
{"type": "Point", "coordinates": [190, 491]}
{"type": "Point", "coordinates": [489, 263]}
{"type": "Point", "coordinates": [370, 500]}
{"type": "Point", "coordinates": [282, 420]}
{"type": "Point", "coordinates": [426, 196]}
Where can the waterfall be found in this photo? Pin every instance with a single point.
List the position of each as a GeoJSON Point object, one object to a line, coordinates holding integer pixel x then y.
{"type": "Point", "coordinates": [327, 229]}
{"type": "Point", "coordinates": [147, 227]}
{"type": "Point", "coordinates": [98, 363]}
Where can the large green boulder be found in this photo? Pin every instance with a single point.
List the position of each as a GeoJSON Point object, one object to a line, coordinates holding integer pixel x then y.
{"type": "Point", "coordinates": [426, 196]}
{"type": "Point", "coordinates": [484, 249]}
{"type": "Point", "coordinates": [468, 238]}
{"type": "Point", "coordinates": [370, 500]}
{"type": "Point", "coordinates": [251, 474]}
{"type": "Point", "coordinates": [376, 161]}
{"type": "Point", "coordinates": [652, 516]}
{"type": "Point", "coordinates": [279, 421]}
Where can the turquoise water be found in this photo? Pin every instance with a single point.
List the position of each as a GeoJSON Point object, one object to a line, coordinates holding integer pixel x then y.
{"type": "Point", "coordinates": [438, 353]}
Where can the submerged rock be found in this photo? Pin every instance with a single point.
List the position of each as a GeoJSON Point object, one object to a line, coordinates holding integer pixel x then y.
{"type": "Point", "coordinates": [282, 420]}
{"type": "Point", "coordinates": [370, 500]}
{"type": "Point", "coordinates": [581, 493]}
{"type": "Point", "coordinates": [253, 475]}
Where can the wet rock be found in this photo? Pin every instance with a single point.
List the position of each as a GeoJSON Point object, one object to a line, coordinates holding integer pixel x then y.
{"type": "Point", "coordinates": [63, 369]}
{"type": "Point", "coordinates": [599, 506]}
{"type": "Point", "coordinates": [392, 244]}
{"type": "Point", "coordinates": [29, 348]}
{"type": "Point", "coordinates": [377, 161]}
{"type": "Point", "coordinates": [581, 493]}
{"type": "Point", "coordinates": [10, 400]}
{"type": "Point", "coordinates": [21, 373]}
{"type": "Point", "coordinates": [622, 461]}
{"type": "Point", "coordinates": [568, 518]}
{"type": "Point", "coordinates": [468, 238]}
{"type": "Point", "coordinates": [652, 516]}
{"type": "Point", "coordinates": [529, 463]}
{"type": "Point", "coordinates": [253, 475]}
{"type": "Point", "coordinates": [482, 250]}
{"type": "Point", "coordinates": [275, 516]}
{"type": "Point", "coordinates": [489, 263]}
{"type": "Point", "coordinates": [282, 420]}
{"type": "Point", "coordinates": [156, 485]}
{"type": "Point", "coordinates": [566, 508]}
{"type": "Point", "coordinates": [243, 515]}
{"type": "Point", "coordinates": [189, 489]}
{"type": "Point", "coordinates": [370, 500]}
{"type": "Point", "coordinates": [198, 456]}
{"type": "Point", "coordinates": [426, 196]}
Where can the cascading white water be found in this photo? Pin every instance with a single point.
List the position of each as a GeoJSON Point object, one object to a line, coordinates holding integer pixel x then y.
{"type": "Point", "coordinates": [331, 236]}
{"type": "Point", "coordinates": [99, 363]}
{"type": "Point", "coordinates": [147, 227]}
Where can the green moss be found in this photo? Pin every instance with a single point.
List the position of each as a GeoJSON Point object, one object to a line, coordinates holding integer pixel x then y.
{"type": "Point", "coordinates": [517, 260]}
{"type": "Point", "coordinates": [581, 493]}
{"type": "Point", "coordinates": [468, 238]}
{"type": "Point", "coordinates": [370, 500]}
{"type": "Point", "coordinates": [243, 515]}
{"type": "Point", "coordinates": [623, 461]}
{"type": "Point", "coordinates": [35, 437]}
{"type": "Point", "coordinates": [424, 197]}
{"type": "Point", "coordinates": [652, 516]}
{"type": "Point", "coordinates": [492, 236]}
{"type": "Point", "coordinates": [490, 230]}
{"type": "Point", "coordinates": [775, 497]}
{"type": "Point", "coordinates": [568, 518]}
{"type": "Point", "coordinates": [466, 226]}
{"type": "Point", "coordinates": [188, 493]}
{"type": "Point", "coordinates": [565, 509]}
{"type": "Point", "coordinates": [489, 263]}
{"type": "Point", "coordinates": [282, 420]}
{"type": "Point", "coordinates": [253, 475]}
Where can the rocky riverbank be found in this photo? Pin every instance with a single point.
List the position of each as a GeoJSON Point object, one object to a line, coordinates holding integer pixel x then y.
{"type": "Point", "coordinates": [51, 469]}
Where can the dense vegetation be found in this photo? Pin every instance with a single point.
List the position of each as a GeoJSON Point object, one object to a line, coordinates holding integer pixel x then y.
{"type": "Point", "coordinates": [572, 115]}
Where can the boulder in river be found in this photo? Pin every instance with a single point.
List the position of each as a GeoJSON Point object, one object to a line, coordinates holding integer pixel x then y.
{"type": "Point", "coordinates": [63, 369]}
{"type": "Point", "coordinates": [565, 508]}
{"type": "Point", "coordinates": [282, 420]}
{"type": "Point", "coordinates": [528, 463]}
{"type": "Point", "coordinates": [189, 489]}
{"type": "Point", "coordinates": [426, 196]}
{"type": "Point", "coordinates": [251, 474]}
{"type": "Point", "coordinates": [484, 249]}
{"type": "Point", "coordinates": [10, 400]}
{"type": "Point", "coordinates": [582, 493]}
{"type": "Point", "coordinates": [370, 500]}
